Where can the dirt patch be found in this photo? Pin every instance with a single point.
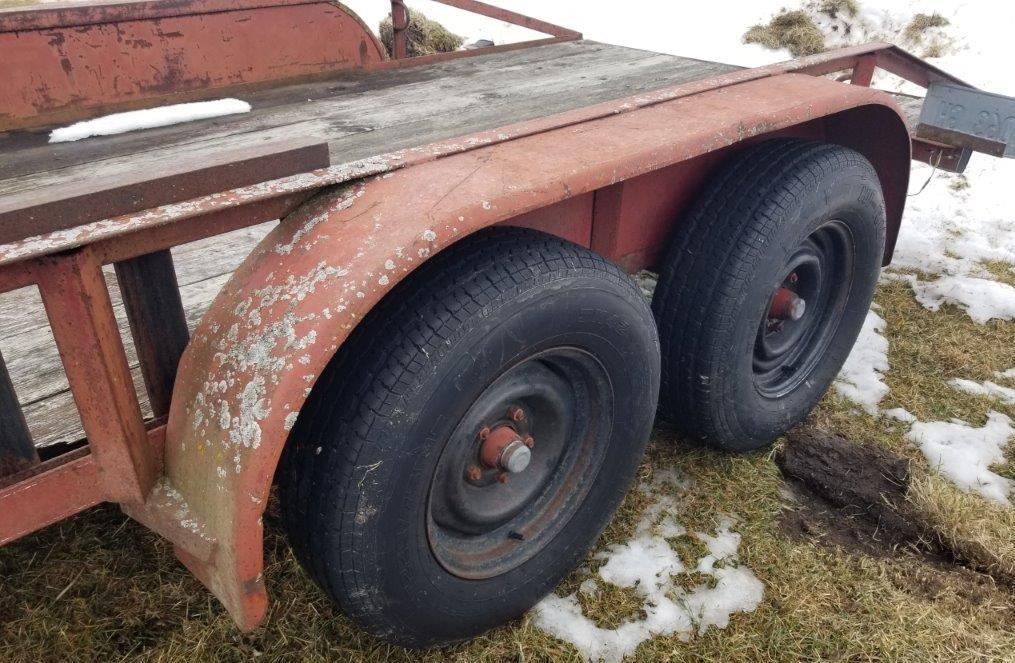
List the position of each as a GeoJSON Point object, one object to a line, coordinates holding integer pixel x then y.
{"type": "Point", "coordinates": [810, 517]}
{"type": "Point", "coordinates": [860, 498]}
{"type": "Point", "coordinates": [862, 483]}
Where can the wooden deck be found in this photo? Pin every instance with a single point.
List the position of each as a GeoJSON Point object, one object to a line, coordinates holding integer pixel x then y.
{"type": "Point", "coordinates": [358, 115]}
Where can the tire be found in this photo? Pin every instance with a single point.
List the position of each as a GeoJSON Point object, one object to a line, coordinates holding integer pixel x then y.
{"type": "Point", "coordinates": [785, 220]}
{"type": "Point", "coordinates": [377, 490]}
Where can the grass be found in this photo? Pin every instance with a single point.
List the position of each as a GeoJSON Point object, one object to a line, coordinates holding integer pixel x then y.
{"type": "Point", "coordinates": [792, 30]}
{"type": "Point", "coordinates": [423, 36]}
{"type": "Point", "coordinates": [100, 587]}
{"type": "Point", "coordinates": [924, 31]}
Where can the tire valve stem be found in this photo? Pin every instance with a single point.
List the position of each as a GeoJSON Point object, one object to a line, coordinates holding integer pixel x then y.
{"type": "Point", "coordinates": [517, 536]}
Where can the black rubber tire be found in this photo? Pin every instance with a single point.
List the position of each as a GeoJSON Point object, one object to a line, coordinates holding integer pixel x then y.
{"type": "Point", "coordinates": [722, 268]}
{"type": "Point", "coordinates": [356, 473]}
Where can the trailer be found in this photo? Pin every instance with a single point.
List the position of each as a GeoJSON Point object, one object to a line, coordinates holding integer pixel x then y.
{"type": "Point", "coordinates": [433, 348]}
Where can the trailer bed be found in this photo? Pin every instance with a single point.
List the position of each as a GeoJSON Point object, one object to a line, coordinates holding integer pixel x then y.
{"type": "Point", "coordinates": [359, 115]}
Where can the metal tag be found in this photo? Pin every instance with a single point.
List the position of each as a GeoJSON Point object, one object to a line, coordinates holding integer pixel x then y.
{"type": "Point", "coordinates": [964, 117]}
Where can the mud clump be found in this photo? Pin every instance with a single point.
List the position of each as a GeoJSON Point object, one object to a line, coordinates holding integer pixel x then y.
{"type": "Point", "coordinates": [848, 494]}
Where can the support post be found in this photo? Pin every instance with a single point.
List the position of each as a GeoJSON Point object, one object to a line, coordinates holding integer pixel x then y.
{"type": "Point", "coordinates": [399, 26]}
{"type": "Point", "coordinates": [81, 315]}
{"type": "Point", "coordinates": [158, 323]}
{"type": "Point", "coordinates": [863, 72]}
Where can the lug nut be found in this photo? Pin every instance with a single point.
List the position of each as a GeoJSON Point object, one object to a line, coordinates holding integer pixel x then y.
{"type": "Point", "coordinates": [517, 414]}
{"type": "Point", "coordinates": [484, 433]}
{"type": "Point", "coordinates": [502, 477]}
{"type": "Point", "coordinates": [530, 441]}
{"type": "Point", "coordinates": [473, 473]}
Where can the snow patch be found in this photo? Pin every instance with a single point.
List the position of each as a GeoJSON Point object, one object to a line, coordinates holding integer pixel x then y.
{"type": "Point", "coordinates": [861, 377]}
{"type": "Point", "coordinates": [647, 563]}
{"type": "Point", "coordinates": [148, 118]}
{"type": "Point", "coordinates": [982, 299]}
{"type": "Point", "coordinates": [964, 454]}
{"type": "Point", "coordinates": [988, 388]}
{"type": "Point", "coordinates": [901, 414]}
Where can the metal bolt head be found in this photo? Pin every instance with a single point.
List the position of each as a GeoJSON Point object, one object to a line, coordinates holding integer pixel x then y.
{"type": "Point", "coordinates": [473, 473]}
{"type": "Point", "coordinates": [502, 477]}
{"type": "Point", "coordinates": [515, 457]}
{"type": "Point", "coordinates": [517, 414]}
{"type": "Point", "coordinates": [484, 433]}
{"type": "Point", "coordinates": [530, 441]}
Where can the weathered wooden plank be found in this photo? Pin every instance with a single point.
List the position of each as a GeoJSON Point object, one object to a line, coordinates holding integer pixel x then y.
{"type": "Point", "coordinates": [212, 169]}
{"type": "Point", "coordinates": [194, 262]}
{"type": "Point", "coordinates": [35, 365]}
{"type": "Point", "coordinates": [158, 322]}
{"type": "Point", "coordinates": [437, 101]}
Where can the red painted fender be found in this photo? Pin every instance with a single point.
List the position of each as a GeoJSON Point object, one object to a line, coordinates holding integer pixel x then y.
{"type": "Point", "coordinates": [277, 323]}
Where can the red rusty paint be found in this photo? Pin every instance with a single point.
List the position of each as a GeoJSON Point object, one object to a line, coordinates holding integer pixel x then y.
{"type": "Point", "coordinates": [276, 324]}
{"type": "Point", "coordinates": [93, 60]}
{"type": "Point", "coordinates": [56, 489]}
{"type": "Point", "coordinates": [514, 18]}
{"type": "Point", "coordinates": [136, 224]}
{"type": "Point", "coordinates": [58, 492]}
{"type": "Point", "coordinates": [784, 304]}
{"type": "Point", "coordinates": [499, 439]}
{"type": "Point", "coordinates": [80, 313]}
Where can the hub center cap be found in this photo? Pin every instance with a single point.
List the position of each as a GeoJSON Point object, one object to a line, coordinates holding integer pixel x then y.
{"type": "Point", "coordinates": [504, 449]}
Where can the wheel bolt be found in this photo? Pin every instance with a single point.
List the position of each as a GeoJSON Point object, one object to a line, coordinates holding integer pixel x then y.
{"type": "Point", "coordinates": [484, 433]}
{"type": "Point", "coordinates": [793, 278]}
{"type": "Point", "coordinates": [517, 414]}
{"type": "Point", "coordinates": [473, 473]}
{"type": "Point", "coordinates": [502, 477]}
{"type": "Point", "coordinates": [530, 442]}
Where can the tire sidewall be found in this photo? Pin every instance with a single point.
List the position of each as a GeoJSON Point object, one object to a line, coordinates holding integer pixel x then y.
{"type": "Point", "coordinates": [592, 314]}
{"type": "Point", "coordinates": [852, 197]}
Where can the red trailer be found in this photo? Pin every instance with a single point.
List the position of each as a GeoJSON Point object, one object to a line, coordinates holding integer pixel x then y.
{"type": "Point", "coordinates": [437, 353]}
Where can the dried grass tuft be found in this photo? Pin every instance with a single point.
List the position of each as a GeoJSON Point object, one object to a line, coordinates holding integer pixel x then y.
{"type": "Point", "coordinates": [424, 36]}
{"type": "Point", "coordinates": [978, 531]}
{"type": "Point", "coordinates": [792, 30]}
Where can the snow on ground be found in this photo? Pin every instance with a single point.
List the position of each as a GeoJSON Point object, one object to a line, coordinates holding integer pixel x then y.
{"type": "Point", "coordinates": [982, 299]}
{"type": "Point", "coordinates": [648, 564]}
{"type": "Point", "coordinates": [988, 388]}
{"type": "Point", "coordinates": [148, 118]}
{"type": "Point", "coordinates": [965, 454]}
{"type": "Point", "coordinates": [861, 378]}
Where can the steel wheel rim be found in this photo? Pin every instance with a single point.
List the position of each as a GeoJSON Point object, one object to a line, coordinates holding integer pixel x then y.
{"type": "Point", "coordinates": [484, 528]}
{"type": "Point", "coordinates": [819, 272]}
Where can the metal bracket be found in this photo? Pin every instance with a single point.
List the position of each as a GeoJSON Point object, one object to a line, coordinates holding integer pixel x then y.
{"type": "Point", "coordinates": [969, 118]}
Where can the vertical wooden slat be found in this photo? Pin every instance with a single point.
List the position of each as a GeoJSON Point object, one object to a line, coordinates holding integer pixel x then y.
{"type": "Point", "coordinates": [17, 450]}
{"type": "Point", "coordinates": [81, 316]}
{"type": "Point", "coordinates": [158, 323]}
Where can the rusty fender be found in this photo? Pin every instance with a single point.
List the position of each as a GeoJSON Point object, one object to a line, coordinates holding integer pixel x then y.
{"type": "Point", "coordinates": [274, 327]}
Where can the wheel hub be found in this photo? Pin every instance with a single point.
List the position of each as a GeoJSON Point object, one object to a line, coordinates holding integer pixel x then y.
{"type": "Point", "coordinates": [504, 449]}
{"type": "Point", "coordinates": [804, 310]}
{"type": "Point", "coordinates": [519, 463]}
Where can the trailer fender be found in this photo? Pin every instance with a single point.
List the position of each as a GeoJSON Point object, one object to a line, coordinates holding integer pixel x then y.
{"type": "Point", "coordinates": [274, 327]}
